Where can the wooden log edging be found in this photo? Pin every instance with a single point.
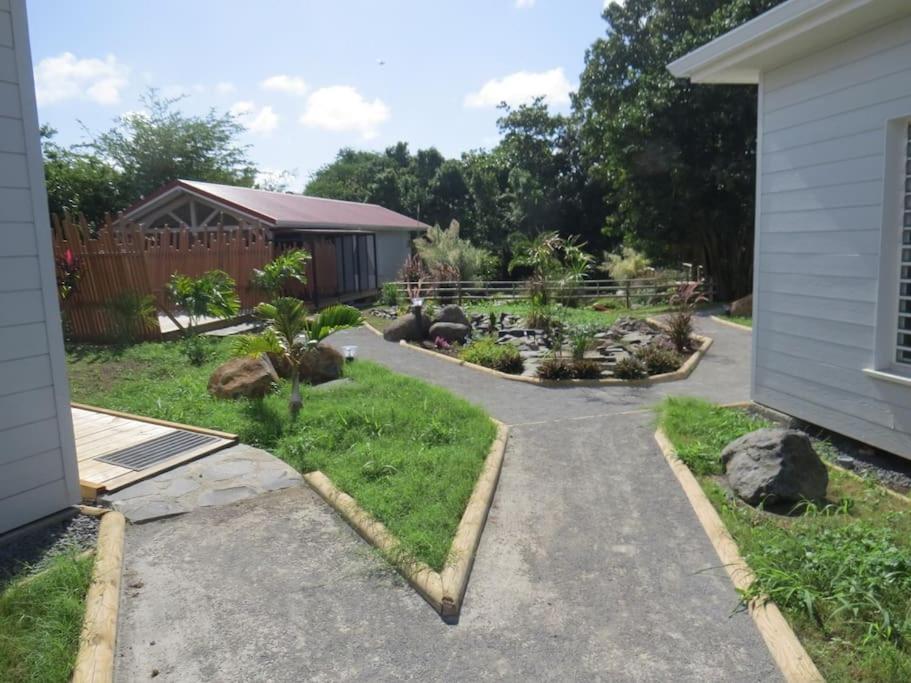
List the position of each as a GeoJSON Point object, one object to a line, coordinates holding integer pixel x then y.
{"type": "Point", "coordinates": [784, 646]}
{"type": "Point", "coordinates": [98, 640]}
{"type": "Point", "coordinates": [445, 590]}
{"type": "Point", "coordinates": [682, 372]}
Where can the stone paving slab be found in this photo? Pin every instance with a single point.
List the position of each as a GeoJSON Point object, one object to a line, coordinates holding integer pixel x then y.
{"type": "Point", "coordinates": [225, 477]}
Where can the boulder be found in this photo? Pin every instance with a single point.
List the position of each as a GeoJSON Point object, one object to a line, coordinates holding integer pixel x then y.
{"type": "Point", "coordinates": [247, 376]}
{"type": "Point", "coordinates": [775, 465]}
{"type": "Point", "coordinates": [743, 308]}
{"type": "Point", "coordinates": [451, 332]}
{"type": "Point", "coordinates": [280, 364]}
{"type": "Point", "coordinates": [323, 364]}
{"type": "Point", "coordinates": [452, 314]}
{"type": "Point", "coordinates": [406, 327]}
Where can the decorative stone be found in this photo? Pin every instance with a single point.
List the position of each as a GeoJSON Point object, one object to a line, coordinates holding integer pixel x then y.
{"type": "Point", "coordinates": [775, 465]}
{"type": "Point", "coordinates": [743, 307]}
{"type": "Point", "coordinates": [451, 332]}
{"type": "Point", "coordinates": [405, 328]}
{"type": "Point", "coordinates": [323, 364]}
{"type": "Point", "coordinates": [247, 376]}
{"type": "Point", "coordinates": [452, 314]}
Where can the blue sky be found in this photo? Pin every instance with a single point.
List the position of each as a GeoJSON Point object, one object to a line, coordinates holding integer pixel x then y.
{"type": "Point", "coordinates": [306, 76]}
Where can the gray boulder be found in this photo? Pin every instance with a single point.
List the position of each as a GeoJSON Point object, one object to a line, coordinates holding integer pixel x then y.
{"type": "Point", "coordinates": [245, 376]}
{"type": "Point", "coordinates": [451, 332]}
{"type": "Point", "coordinates": [742, 307]}
{"type": "Point", "coordinates": [405, 327]}
{"type": "Point", "coordinates": [774, 466]}
{"type": "Point", "coordinates": [452, 314]}
{"type": "Point", "coordinates": [322, 364]}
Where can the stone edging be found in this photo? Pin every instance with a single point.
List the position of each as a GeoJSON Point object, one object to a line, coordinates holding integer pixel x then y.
{"type": "Point", "coordinates": [731, 323]}
{"type": "Point", "coordinates": [95, 659]}
{"type": "Point", "coordinates": [443, 590]}
{"type": "Point", "coordinates": [784, 646]}
{"type": "Point", "coordinates": [682, 372]}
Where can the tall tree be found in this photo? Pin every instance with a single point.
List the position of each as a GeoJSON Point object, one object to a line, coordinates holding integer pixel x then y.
{"type": "Point", "coordinates": [678, 158]}
{"type": "Point", "coordinates": [161, 144]}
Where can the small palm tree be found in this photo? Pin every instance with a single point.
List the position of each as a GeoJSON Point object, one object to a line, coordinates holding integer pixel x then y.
{"type": "Point", "coordinates": [211, 294]}
{"type": "Point", "coordinates": [292, 334]}
{"type": "Point", "coordinates": [287, 266]}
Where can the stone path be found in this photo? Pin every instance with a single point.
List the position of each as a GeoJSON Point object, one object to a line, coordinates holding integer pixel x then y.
{"type": "Point", "coordinates": [227, 476]}
{"type": "Point", "coordinates": [592, 565]}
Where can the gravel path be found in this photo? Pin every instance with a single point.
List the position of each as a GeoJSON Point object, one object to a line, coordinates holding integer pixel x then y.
{"type": "Point", "coordinates": [30, 552]}
{"type": "Point", "coordinates": [592, 565]}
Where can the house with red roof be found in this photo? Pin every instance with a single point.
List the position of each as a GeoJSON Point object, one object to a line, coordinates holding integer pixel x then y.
{"type": "Point", "coordinates": [356, 247]}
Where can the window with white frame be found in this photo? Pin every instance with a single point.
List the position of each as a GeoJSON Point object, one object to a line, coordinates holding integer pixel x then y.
{"type": "Point", "coordinates": [903, 347]}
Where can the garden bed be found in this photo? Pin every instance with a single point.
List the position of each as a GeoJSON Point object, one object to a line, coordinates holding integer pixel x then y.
{"type": "Point", "coordinates": [407, 452]}
{"type": "Point", "coordinates": [840, 569]}
{"type": "Point", "coordinates": [531, 347]}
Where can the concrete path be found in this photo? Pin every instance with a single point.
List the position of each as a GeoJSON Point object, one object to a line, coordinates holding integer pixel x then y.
{"type": "Point", "coordinates": [592, 565]}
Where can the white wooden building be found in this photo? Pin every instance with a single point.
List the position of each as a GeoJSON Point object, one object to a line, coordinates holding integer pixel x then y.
{"type": "Point", "coordinates": [38, 474]}
{"type": "Point", "coordinates": [832, 288]}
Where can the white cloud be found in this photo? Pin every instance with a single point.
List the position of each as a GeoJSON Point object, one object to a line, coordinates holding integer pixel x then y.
{"type": "Point", "coordinates": [521, 88]}
{"type": "Point", "coordinates": [66, 77]}
{"type": "Point", "coordinates": [524, 4]}
{"type": "Point", "coordinates": [342, 108]}
{"type": "Point", "coordinates": [225, 88]}
{"type": "Point", "coordinates": [292, 85]}
{"type": "Point", "coordinates": [261, 120]}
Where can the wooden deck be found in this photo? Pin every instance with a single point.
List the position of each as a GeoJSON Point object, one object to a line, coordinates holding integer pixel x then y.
{"type": "Point", "coordinates": [102, 432]}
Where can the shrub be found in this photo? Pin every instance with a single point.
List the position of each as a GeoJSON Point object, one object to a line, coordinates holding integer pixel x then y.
{"type": "Point", "coordinates": [586, 369]}
{"type": "Point", "coordinates": [658, 358]}
{"type": "Point", "coordinates": [440, 247]}
{"type": "Point", "coordinates": [630, 367]}
{"type": "Point", "coordinates": [389, 295]}
{"type": "Point", "coordinates": [555, 367]}
{"type": "Point", "coordinates": [131, 312]}
{"type": "Point", "coordinates": [502, 357]}
{"type": "Point", "coordinates": [680, 329]}
{"type": "Point", "coordinates": [195, 349]}
{"type": "Point", "coordinates": [628, 264]}
{"type": "Point", "coordinates": [581, 340]}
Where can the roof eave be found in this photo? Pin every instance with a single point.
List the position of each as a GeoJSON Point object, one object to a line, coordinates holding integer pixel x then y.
{"type": "Point", "coordinates": [316, 225]}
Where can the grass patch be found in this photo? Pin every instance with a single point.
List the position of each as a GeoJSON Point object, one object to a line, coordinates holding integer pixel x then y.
{"type": "Point", "coordinates": [40, 621]}
{"type": "Point", "coordinates": [840, 571]}
{"type": "Point", "coordinates": [744, 320]}
{"type": "Point", "coordinates": [409, 453]}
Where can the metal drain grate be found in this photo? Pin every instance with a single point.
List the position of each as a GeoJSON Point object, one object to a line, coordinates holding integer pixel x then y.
{"type": "Point", "coordinates": [148, 453]}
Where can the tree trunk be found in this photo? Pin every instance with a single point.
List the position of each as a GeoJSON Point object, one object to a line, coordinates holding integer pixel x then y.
{"type": "Point", "coordinates": [296, 402]}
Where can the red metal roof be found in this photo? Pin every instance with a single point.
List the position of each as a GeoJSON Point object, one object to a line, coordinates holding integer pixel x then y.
{"type": "Point", "coordinates": [282, 210]}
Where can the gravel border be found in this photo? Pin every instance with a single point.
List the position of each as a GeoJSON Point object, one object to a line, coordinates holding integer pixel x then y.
{"type": "Point", "coordinates": [30, 551]}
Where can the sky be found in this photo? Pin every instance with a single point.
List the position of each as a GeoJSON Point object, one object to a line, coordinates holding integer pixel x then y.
{"type": "Point", "coordinates": [312, 76]}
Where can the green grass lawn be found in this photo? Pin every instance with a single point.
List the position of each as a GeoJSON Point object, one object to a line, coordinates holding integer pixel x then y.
{"type": "Point", "coordinates": [744, 320]}
{"type": "Point", "coordinates": [841, 572]}
{"type": "Point", "coordinates": [408, 452]}
{"type": "Point", "coordinates": [40, 622]}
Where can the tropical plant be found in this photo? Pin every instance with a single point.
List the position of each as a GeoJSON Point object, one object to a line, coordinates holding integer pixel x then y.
{"type": "Point", "coordinates": [586, 368]}
{"type": "Point", "coordinates": [288, 266]}
{"type": "Point", "coordinates": [627, 264]}
{"type": "Point", "coordinates": [630, 367]}
{"type": "Point", "coordinates": [212, 294]}
{"type": "Point", "coordinates": [555, 367]}
{"type": "Point", "coordinates": [291, 334]}
{"type": "Point", "coordinates": [414, 275]}
{"type": "Point", "coordinates": [69, 270]}
{"type": "Point", "coordinates": [131, 312]}
{"type": "Point", "coordinates": [389, 294]}
{"type": "Point", "coordinates": [446, 278]}
{"type": "Point", "coordinates": [680, 322]}
{"type": "Point", "coordinates": [558, 265]}
{"type": "Point", "coordinates": [440, 247]}
{"type": "Point", "coordinates": [581, 339]}
{"type": "Point", "coordinates": [486, 352]}
{"type": "Point", "coordinates": [658, 358]}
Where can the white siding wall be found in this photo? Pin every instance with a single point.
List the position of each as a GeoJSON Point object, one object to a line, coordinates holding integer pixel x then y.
{"type": "Point", "coordinates": [820, 213]}
{"type": "Point", "coordinates": [392, 248]}
{"type": "Point", "coordinates": [38, 473]}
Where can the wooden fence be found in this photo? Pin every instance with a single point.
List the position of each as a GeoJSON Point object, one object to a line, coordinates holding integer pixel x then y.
{"type": "Point", "coordinates": [117, 260]}
{"type": "Point", "coordinates": [637, 292]}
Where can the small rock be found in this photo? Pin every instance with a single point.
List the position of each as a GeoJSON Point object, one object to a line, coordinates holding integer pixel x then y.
{"type": "Point", "coordinates": [845, 461]}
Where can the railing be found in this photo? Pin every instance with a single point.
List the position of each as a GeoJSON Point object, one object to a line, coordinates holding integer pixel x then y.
{"type": "Point", "coordinates": [639, 291]}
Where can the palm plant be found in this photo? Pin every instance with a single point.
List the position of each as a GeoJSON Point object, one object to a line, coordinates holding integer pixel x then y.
{"type": "Point", "coordinates": [287, 266]}
{"type": "Point", "coordinates": [211, 294]}
{"type": "Point", "coordinates": [131, 312]}
{"type": "Point", "coordinates": [552, 260]}
{"type": "Point", "coordinates": [291, 334]}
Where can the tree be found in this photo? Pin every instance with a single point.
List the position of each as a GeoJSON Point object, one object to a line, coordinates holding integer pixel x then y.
{"type": "Point", "coordinates": [161, 144]}
{"type": "Point", "coordinates": [287, 266]}
{"type": "Point", "coordinates": [211, 294]}
{"type": "Point", "coordinates": [291, 334]}
{"type": "Point", "coordinates": [677, 159]}
{"type": "Point", "coordinates": [555, 263]}
{"type": "Point", "coordinates": [440, 247]}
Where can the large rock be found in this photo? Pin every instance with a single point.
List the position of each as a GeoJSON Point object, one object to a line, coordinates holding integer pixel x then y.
{"type": "Point", "coordinates": [405, 327]}
{"type": "Point", "coordinates": [774, 466]}
{"type": "Point", "coordinates": [247, 376]}
{"type": "Point", "coordinates": [323, 364]}
{"type": "Point", "coordinates": [452, 314]}
{"type": "Point", "coordinates": [451, 332]}
{"type": "Point", "coordinates": [743, 308]}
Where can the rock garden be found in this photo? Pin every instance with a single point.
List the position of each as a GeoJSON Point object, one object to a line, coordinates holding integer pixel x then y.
{"type": "Point", "coordinates": [540, 344]}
